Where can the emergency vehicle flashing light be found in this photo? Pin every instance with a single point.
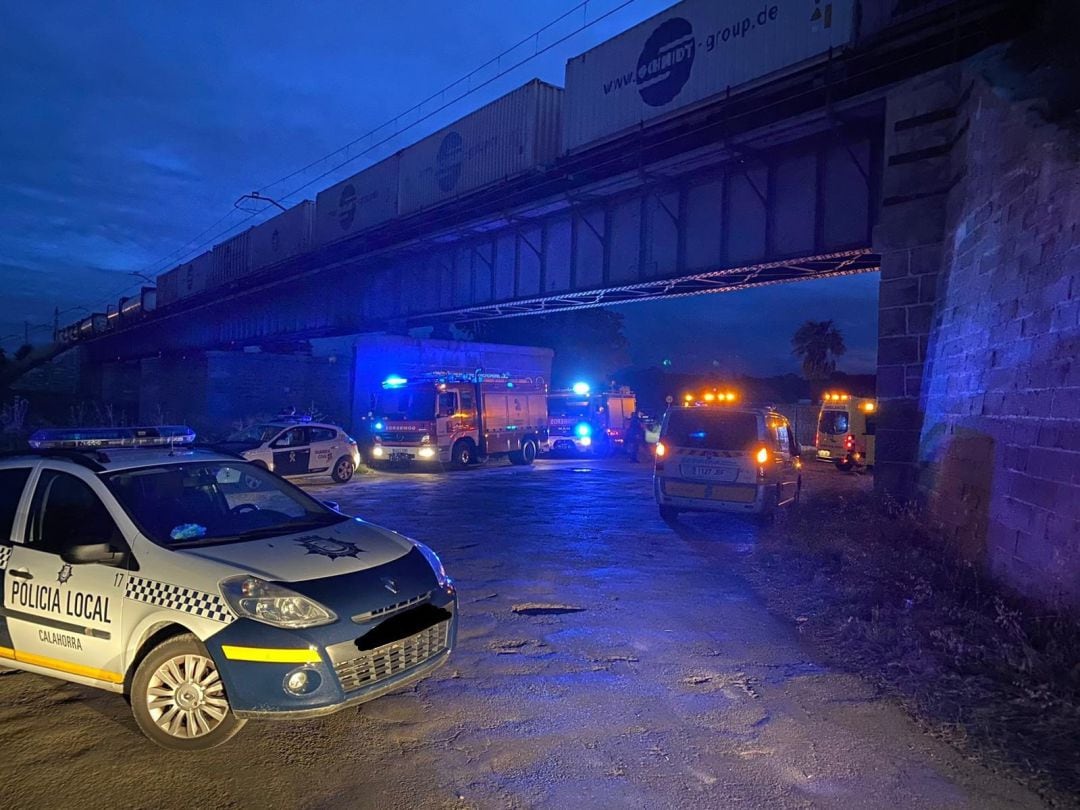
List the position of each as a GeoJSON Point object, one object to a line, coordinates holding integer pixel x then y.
{"type": "Point", "coordinates": [583, 429]}
{"type": "Point", "coordinates": [714, 397]}
{"type": "Point", "coordinates": [104, 437]}
{"type": "Point", "coordinates": [868, 407]}
{"type": "Point", "coordinates": [580, 388]}
{"type": "Point", "coordinates": [394, 381]}
{"type": "Point", "coordinates": [833, 397]}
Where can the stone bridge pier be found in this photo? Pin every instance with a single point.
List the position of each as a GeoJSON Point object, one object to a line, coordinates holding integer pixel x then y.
{"type": "Point", "coordinates": [979, 352]}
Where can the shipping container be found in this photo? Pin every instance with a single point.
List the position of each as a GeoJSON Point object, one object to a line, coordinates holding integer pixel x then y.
{"type": "Point", "coordinates": [130, 308]}
{"type": "Point", "coordinates": [112, 315]}
{"type": "Point", "coordinates": [149, 299]}
{"type": "Point", "coordinates": [282, 237]}
{"type": "Point", "coordinates": [512, 135]}
{"type": "Point", "coordinates": [168, 286]}
{"type": "Point", "coordinates": [691, 53]}
{"type": "Point", "coordinates": [194, 276]}
{"type": "Point", "coordinates": [363, 201]}
{"type": "Point", "coordinates": [231, 259]}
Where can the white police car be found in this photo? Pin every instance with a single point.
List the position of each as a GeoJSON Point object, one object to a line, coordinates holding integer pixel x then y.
{"type": "Point", "coordinates": [294, 445]}
{"type": "Point", "coordinates": [154, 572]}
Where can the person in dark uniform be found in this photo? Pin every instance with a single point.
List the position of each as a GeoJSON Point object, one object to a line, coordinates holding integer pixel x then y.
{"type": "Point", "coordinates": [634, 434]}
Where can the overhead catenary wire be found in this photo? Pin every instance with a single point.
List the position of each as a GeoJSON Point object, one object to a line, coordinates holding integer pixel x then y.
{"type": "Point", "coordinates": [190, 247]}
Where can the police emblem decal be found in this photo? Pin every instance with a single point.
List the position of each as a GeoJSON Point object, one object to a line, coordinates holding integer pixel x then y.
{"type": "Point", "coordinates": [64, 574]}
{"type": "Point", "coordinates": [325, 547]}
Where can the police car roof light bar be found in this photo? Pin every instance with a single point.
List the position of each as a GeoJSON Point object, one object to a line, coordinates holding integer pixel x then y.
{"type": "Point", "coordinates": [102, 437]}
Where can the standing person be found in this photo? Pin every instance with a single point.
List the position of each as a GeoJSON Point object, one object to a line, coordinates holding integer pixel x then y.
{"type": "Point", "coordinates": [634, 435]}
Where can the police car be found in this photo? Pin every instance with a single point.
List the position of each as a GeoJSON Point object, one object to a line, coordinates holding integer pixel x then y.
{"type": "Point", "coordinates": [294, 445]}
{"type": "Point", "coordinates": [154, 572]}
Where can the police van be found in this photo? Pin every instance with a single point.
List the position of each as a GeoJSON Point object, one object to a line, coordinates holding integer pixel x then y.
{"type": "Point", "coordinates": [715, 455]}
{"type": "Point", "coordinates": [154, 572]}
{"type": "Point", "coordinates": [294, 445]}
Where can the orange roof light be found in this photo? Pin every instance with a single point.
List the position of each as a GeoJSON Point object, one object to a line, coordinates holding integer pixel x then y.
{"type": "Point", "coordinates": [869, 407]}
{"type": "Point", "coordinates": [709, 396]}
{"type": "Point", "coordinates": [730, 396]}
{"type": "Point", "coordinates": [762, 456]}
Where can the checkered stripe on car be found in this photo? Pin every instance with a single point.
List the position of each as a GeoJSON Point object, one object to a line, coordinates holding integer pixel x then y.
{"type": "Point", "coordinates": [5, 555]}
{"type": "Point", "coordinates": [176, 597]}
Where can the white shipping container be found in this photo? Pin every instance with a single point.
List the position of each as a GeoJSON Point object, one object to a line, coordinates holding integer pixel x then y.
{"type": "Point", "coordinates": [194, 276]}
{"type": "Point", "coordinates": [507, 137]}
{"type": "Point", "coordinates": [282, 237]}
{"type": "Point", "coordinates": [690, 53]}
{"type": "Point", "coordinates": [363, 201]}
{"type": "Point", "coordinates": [168, 286]}
{"type": "Point", "coordinates": [232, 259]}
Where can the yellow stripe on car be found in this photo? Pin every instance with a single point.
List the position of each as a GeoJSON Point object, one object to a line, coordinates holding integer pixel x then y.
{"type": "Point", "coordinates": [270, 656]}
{"type": "Point", "coordinates": [64, 666]}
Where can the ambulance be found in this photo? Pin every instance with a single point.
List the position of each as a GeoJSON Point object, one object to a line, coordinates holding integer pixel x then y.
{"type": "Point", "coordinates": [716, 455]}
{"type": "Point", "coordinates": [845, 431]}
{"type": "Point", "coordinates": [585, 421]}
{"type": "Point", "coordinates": [459, 418]}
{"type": "Point", "coordinates": [133, 562]}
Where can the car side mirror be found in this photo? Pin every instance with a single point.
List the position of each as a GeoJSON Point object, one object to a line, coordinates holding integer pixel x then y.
{"type": "Point", "coordinates": [87, 553]}
{"type": "Point", "coordinates": [332, 505]}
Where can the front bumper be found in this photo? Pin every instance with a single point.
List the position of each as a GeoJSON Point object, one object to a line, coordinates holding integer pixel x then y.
{"type": "Point", "coordinates": [407, 454]}
{"type": "Point", "coordinates": [343, 669]}
{"type": "Point", "coordinates": [570, 444]}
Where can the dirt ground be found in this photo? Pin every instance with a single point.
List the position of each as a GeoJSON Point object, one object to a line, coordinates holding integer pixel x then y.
{"type": "Point", "coordinates": [652, 676]}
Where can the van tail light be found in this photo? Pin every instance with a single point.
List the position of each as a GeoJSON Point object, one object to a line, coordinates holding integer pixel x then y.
{"type": "Point", "coordinates": [762, 456]}
{"type": "Point", "coordinates": [849, 442]}
{"type": "Point", "coordinates": [661, 451]}
{"type": "Point", "coordinates": [817, 439]}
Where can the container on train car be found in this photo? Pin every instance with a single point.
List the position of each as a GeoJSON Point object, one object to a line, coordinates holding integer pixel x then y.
{"type": "Point", "coordinates": [194, 276]}
{"type": "Point", "coordinates": [690, 53]}
{"type": "Point", "coordinates": [366, 199]}
{"type": "Point", "coordinates": [149, 299]}
{"type": "Point", "coordinates": [92, 325]}
{"type": "Point", "coordinates": [168, 287]}
{"type": "Point", "coordinates": [231, 259]}
{"type": "Point", "coordinates": [511, 135]}
{"type": "Point", "coordinates": [282, 237]}
{"type": "Point", "coordinates": [112, 315]}
{"type": "Point", "coordinates": [130, 308]}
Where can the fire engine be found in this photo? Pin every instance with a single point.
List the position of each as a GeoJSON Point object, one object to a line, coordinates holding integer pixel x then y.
{"type": "Point", "coordinates": [845, 431]}
{"type": "Point", "coordinates": [589, 422]}
{"type": "Point", "coordinates": [459, 418]}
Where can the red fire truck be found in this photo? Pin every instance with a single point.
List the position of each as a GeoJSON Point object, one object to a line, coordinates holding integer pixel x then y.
{"type": "Point", "coordinates": [585, 421]}
{"type": "Point", "coordinates": [459, 418]}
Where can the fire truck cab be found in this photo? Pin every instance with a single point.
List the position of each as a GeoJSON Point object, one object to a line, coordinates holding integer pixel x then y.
{"type": "Point", "coordinates": [589, 422]}
{"type": "Point", "coordinates": [845, 431]}
{"type": "Point", "coordinates": [459, 418]}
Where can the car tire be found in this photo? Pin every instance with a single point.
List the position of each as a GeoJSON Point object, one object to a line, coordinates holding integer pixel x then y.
{"type": "Point", "coordinates": [343, 470]}
{"type": "Point", "coordinates": [844, 466]}
{"type": "Point", "coordinates": [178, 699]}
{"type": "Point", "coordinates": [463, 454]}
{"type": "Point", "coordinates": [668, 513]}
{"type": "Point", "coordinates": [526, 455]}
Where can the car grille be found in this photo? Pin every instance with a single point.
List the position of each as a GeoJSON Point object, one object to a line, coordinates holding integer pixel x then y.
{"type": "Point", "coordinates": [401, 438]}
{"type": "Point", "coordinates": [390, 659]}
{"type": "Point", "coordinates": [389, 610]}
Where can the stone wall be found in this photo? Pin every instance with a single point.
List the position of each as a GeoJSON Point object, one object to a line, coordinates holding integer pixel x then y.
{"type": "Point", "coordinates": [979, 360]}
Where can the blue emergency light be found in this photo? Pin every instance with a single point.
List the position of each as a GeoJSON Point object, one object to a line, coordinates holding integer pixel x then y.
{"type": "Point", "coordinates": [583, 429]}
{"type": "Point", "coordinates": [394, 381]}
{"type": "Point", "coordinates": [102, 437]}
{"type": "Point", "coordinates": [580, 388]}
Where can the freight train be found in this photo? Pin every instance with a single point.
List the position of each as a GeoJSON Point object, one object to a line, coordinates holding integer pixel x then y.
{"type": "Point", "coordinates": [683, 57]}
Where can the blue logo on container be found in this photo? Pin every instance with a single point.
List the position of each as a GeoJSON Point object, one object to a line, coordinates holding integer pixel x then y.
{"type": "Point", "coordinates": [665, 62]}
{"type": "Point", "coordinates": [449, 160]}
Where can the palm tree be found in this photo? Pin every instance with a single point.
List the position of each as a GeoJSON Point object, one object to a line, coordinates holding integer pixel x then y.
{"type": "Point", "coordinates": [817, 344]}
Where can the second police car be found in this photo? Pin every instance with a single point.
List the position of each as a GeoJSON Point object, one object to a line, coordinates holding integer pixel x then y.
{"type": "Point", "coordinates": [293, 445]}
{"type": "Point", "coordinates": [154, 572]}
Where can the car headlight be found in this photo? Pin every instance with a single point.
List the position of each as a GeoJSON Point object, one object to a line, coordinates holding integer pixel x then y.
{"type": "Point", "coordinates": [435, 563]}
{"type": "Point", "coordinates": [254, 598]}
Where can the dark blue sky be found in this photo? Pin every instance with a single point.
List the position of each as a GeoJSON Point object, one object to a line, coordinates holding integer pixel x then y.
{"type": "Point", "coordinates": [129, 128]}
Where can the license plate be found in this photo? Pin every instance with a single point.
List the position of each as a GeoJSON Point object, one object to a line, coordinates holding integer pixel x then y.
{"type": "Point", "coordinates": [711, 472]}
{"type": "Point", "coordinates": [678, 489]}
{"type": "Point", "coordinates": [736, 494]}
{"type": "Point", "coordinates": [400, 457]}
{"type": "Point", "coordinates": [823, 454]}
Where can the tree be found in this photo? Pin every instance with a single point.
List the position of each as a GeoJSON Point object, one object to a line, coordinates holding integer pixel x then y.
{"type": "Point", "coordinates": [817, 344]}
{"type": "Point", "coordinates": [589, 344]}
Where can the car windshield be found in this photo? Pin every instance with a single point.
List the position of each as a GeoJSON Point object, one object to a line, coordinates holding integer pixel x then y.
{"type": "Point", "coordinates": [412, 404]}
{"type": "Point", "coordinates": [710, 429]}
{"type": "Point", "coordinates": [256, 433]}
{"type": "Point", "coordinates": [206, 503]}
{"type": "Point", "coordinates": [564, 408]}
{"type": "Point", "coordinates": [833, 423]}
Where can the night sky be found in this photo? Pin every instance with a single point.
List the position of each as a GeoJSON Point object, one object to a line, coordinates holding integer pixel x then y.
{"type": "Point", "coordinates": [130, 128]}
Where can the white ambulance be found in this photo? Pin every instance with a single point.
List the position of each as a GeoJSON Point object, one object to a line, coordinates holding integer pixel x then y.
{"type": "Point", "coordinates": [154, 572]}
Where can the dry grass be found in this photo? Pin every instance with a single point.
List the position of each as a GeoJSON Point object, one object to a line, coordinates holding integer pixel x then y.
{"type": "Point", "coordinates": [867, 584]}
